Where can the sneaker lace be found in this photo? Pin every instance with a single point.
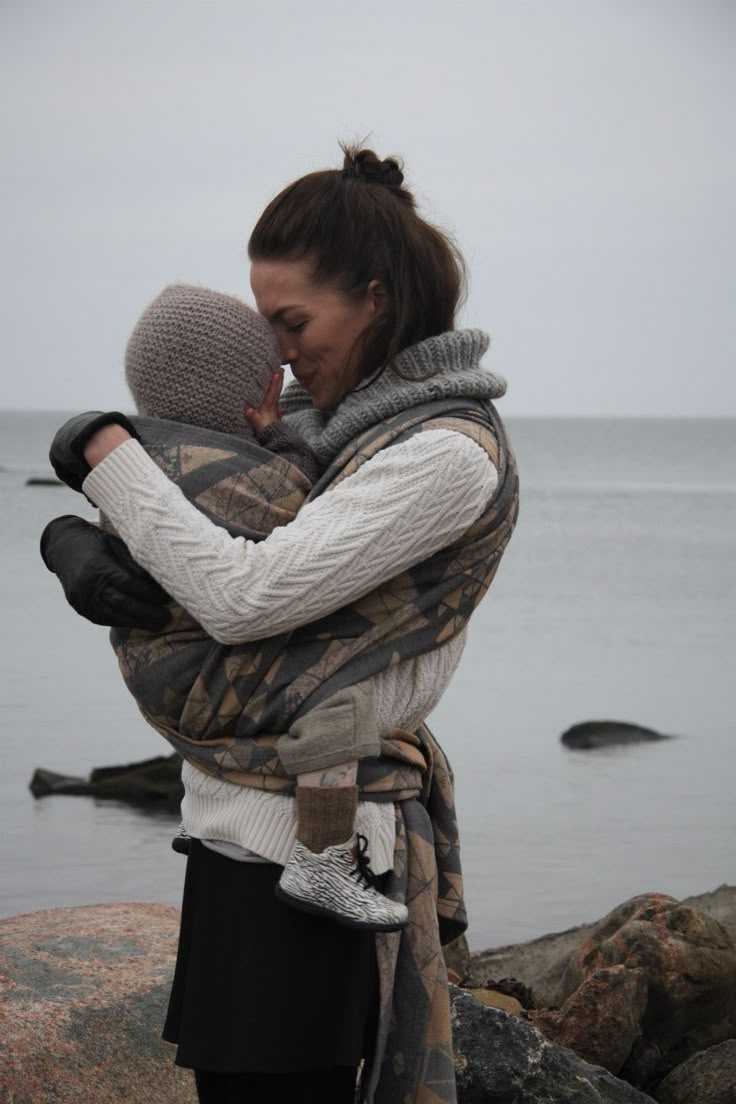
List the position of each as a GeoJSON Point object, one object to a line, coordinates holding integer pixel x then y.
{"type": "Point", "coordinates": [362, 869]}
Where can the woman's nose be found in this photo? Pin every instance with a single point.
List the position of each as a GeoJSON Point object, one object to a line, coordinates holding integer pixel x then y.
{"type": "Point", "coordinates": [286, 348]}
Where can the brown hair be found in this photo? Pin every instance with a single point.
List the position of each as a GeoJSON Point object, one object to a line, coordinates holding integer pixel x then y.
{"type": "Point", "coordinates": [359, 224]}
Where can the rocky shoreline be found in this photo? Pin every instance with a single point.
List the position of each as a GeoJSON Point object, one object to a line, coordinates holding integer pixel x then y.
{"type": "Point", "coordinates": [648, 993]}
{"type": "Point", "coordinates": [639, 1006]}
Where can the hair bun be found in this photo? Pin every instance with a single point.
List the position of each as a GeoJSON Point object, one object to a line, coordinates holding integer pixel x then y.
{"type": "Point", "coordinates": [364, 164]}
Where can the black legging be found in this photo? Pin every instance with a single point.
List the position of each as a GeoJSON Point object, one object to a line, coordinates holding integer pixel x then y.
{"type": "Point", "coordinates": [327, 1086]}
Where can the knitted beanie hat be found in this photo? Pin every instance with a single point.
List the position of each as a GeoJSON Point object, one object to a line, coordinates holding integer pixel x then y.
{"type": "Point", "coordinates": [200, 357]}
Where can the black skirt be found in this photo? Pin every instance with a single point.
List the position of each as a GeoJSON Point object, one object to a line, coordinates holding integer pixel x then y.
{"type": "Point", "coordinates": [260, 987]}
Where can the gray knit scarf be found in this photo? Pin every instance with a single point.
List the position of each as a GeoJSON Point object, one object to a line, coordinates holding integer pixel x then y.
{"type": "Point", "coordinates": [442, 367]}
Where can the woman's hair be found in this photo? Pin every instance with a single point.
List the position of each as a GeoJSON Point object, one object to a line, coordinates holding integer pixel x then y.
{"type": "Point", "coordinates": [358, 224]}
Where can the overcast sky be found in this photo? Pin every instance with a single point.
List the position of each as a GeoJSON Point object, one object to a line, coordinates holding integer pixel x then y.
{"type": "Point", "coordinates": [581, 151]}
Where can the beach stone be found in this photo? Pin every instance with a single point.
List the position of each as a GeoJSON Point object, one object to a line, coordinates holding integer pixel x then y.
{"type": "Point", "coordinates": [493, 999]}
{"type": "Point", "coordinates": [706, 1078]}
{"type": "Point", "coordinates": [602, 1018]}
{"type": "Point", "coordinates": [501, 1059]}
{"type": "Point", "coordinates": [688, 961]}
{"type": "Point", "coordinates": [83, 994]}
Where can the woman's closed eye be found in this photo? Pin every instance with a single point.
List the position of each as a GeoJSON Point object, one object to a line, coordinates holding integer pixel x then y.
{"type": "Point", "coordinates": [295, 327]}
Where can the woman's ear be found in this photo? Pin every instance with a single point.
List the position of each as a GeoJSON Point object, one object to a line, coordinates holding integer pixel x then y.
{"type": "Point", "coordinates": [376, 297]}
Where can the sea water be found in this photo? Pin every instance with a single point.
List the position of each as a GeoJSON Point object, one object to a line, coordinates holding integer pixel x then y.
{"type": "Point", "coordinates": [615, 600]}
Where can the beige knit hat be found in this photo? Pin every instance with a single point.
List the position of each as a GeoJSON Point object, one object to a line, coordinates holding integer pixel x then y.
{"type": "Point", "coordinates": [200, 357]}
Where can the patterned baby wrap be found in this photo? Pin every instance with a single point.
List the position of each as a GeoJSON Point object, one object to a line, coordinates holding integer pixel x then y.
{"type": "Point", "coordinates": [222, 707]}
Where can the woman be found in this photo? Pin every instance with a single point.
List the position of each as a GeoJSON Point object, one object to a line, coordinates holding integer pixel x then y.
{"type": "Point", "coordinates": [362, 294]}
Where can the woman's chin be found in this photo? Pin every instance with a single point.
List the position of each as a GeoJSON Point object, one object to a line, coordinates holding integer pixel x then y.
{"type": "Point", "coordinates": [323, 402]}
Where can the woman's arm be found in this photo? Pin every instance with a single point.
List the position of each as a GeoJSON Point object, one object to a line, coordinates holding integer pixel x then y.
{"type": "Point", "coordinates": [407, 502]}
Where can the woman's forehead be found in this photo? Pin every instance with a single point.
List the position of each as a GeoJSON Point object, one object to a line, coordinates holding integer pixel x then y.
{"type": "Point", "coordinates": [279, 285]}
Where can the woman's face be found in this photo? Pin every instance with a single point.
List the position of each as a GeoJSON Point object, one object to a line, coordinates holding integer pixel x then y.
{"type": "Point", "coordinates": [316, 326]}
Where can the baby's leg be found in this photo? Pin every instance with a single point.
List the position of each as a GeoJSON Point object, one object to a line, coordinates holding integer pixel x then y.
{"type": "Point", "coordinates": [326, 804]}
{"type": "Point", "coordinates": [328, 872]}
{"type": "Point", "coordinates": [322, 749]}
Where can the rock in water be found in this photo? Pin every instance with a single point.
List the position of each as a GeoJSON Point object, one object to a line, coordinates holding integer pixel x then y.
{"type": "Point", "coordinates": [154, 781]}
{"type": "Point", "coordinates": [596, 734]}
{"type": "Point", "coordinates": [706, 1078]}
{"type": "Point", "coordinates": [83, 994]}
{"type": "Point", "coordinates": [500, 1059]}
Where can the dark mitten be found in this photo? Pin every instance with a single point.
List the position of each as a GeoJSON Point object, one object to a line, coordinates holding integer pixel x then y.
{"type": "Point", "coordinates": [100, 578]}
{"type": "Point", "coordinates": [67, 448]}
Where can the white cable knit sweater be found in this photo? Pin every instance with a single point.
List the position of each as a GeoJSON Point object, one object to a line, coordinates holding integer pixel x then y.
{"type": "Point", "coordinates": [401, 506]}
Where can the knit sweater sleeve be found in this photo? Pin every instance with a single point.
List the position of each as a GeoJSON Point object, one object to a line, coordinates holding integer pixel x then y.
{"type": "Point", "coordinates": [400, 507]}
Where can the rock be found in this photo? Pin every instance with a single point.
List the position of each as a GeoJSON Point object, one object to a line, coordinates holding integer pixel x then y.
{"type": "Point", "coordinates": [595, 734]}
{"type": "Point", "coordinates": [720, 904]}
{"type": "Point", "coordinates": [688, 961]}
{"type": "Point", "coordinates": [151, 781]}
{"type": "Point", "coordinates": [602, 1018]}
{"type": "Point", "coordinates": [512, 987]}
{"type": "Point", "coordinates": [83, 994]}
{"type": "Point", "coordinates": [491, 998]}
{"type": "Point", "coordinates": [706, 1078]}
{"type": "Point", "coordinates": [645, 1066]}
{"type": "Point", "coordinates": [501, 1059]}
{"type": "Point", "coordinates": [541, 963]}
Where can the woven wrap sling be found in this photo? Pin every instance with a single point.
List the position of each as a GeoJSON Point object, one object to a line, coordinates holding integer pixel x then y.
{"type": "Point", "coordinates": [222, 707]}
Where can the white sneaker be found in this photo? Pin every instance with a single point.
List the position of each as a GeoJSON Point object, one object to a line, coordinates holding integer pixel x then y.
{"type": "Point", "coordinates": [338, 883]}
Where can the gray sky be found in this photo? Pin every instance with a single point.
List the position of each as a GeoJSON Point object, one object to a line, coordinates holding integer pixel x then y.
{"type": "Point", "coordinates": [582, 152]}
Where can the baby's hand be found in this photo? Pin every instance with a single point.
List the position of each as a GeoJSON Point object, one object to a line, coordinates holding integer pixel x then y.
{"type": "Point", "coordinates": [269, 411]}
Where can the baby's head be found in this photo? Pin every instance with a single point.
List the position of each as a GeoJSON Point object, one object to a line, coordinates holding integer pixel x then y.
{"type": "Point", "coordinates": [200, 357]}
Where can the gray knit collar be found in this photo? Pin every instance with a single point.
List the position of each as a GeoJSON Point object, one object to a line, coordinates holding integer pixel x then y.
{"type": "Point", "coordinates": [442, 367]}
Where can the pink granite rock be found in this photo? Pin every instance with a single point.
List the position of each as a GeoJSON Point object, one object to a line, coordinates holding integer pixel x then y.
{"type": "Point", "coordinates": [602, 1018]}
{"type": "Point", "coordinates": [83, 994]}
{"type": "Point", "coordinates": [689, 963]}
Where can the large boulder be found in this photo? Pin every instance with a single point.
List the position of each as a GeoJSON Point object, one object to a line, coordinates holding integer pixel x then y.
{"type": "Point", "coordinates": [501, 1059]}
{"type": "Point", "coordinates": [83, 994]}
{"type": "Point", "coordinates": [688, 961]}
{"type": "Point", "coordinates": [706, 1078]}
{"type": "Point", "coordinates": [541, 963]}
{"type": "Point", "coordinates": [602, 1018]}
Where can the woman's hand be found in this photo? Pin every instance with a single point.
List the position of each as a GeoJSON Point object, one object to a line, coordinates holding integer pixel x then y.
{"type": "Point", "coordinates": [269, 411]}
{"type": "Point", "coordinates": [94, 431]}
{"type": "Point", "coordinates": [100, 578]}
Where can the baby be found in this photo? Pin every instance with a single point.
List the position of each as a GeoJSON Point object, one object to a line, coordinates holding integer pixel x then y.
{"type": "Point", "coordinates": [198, 357]}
